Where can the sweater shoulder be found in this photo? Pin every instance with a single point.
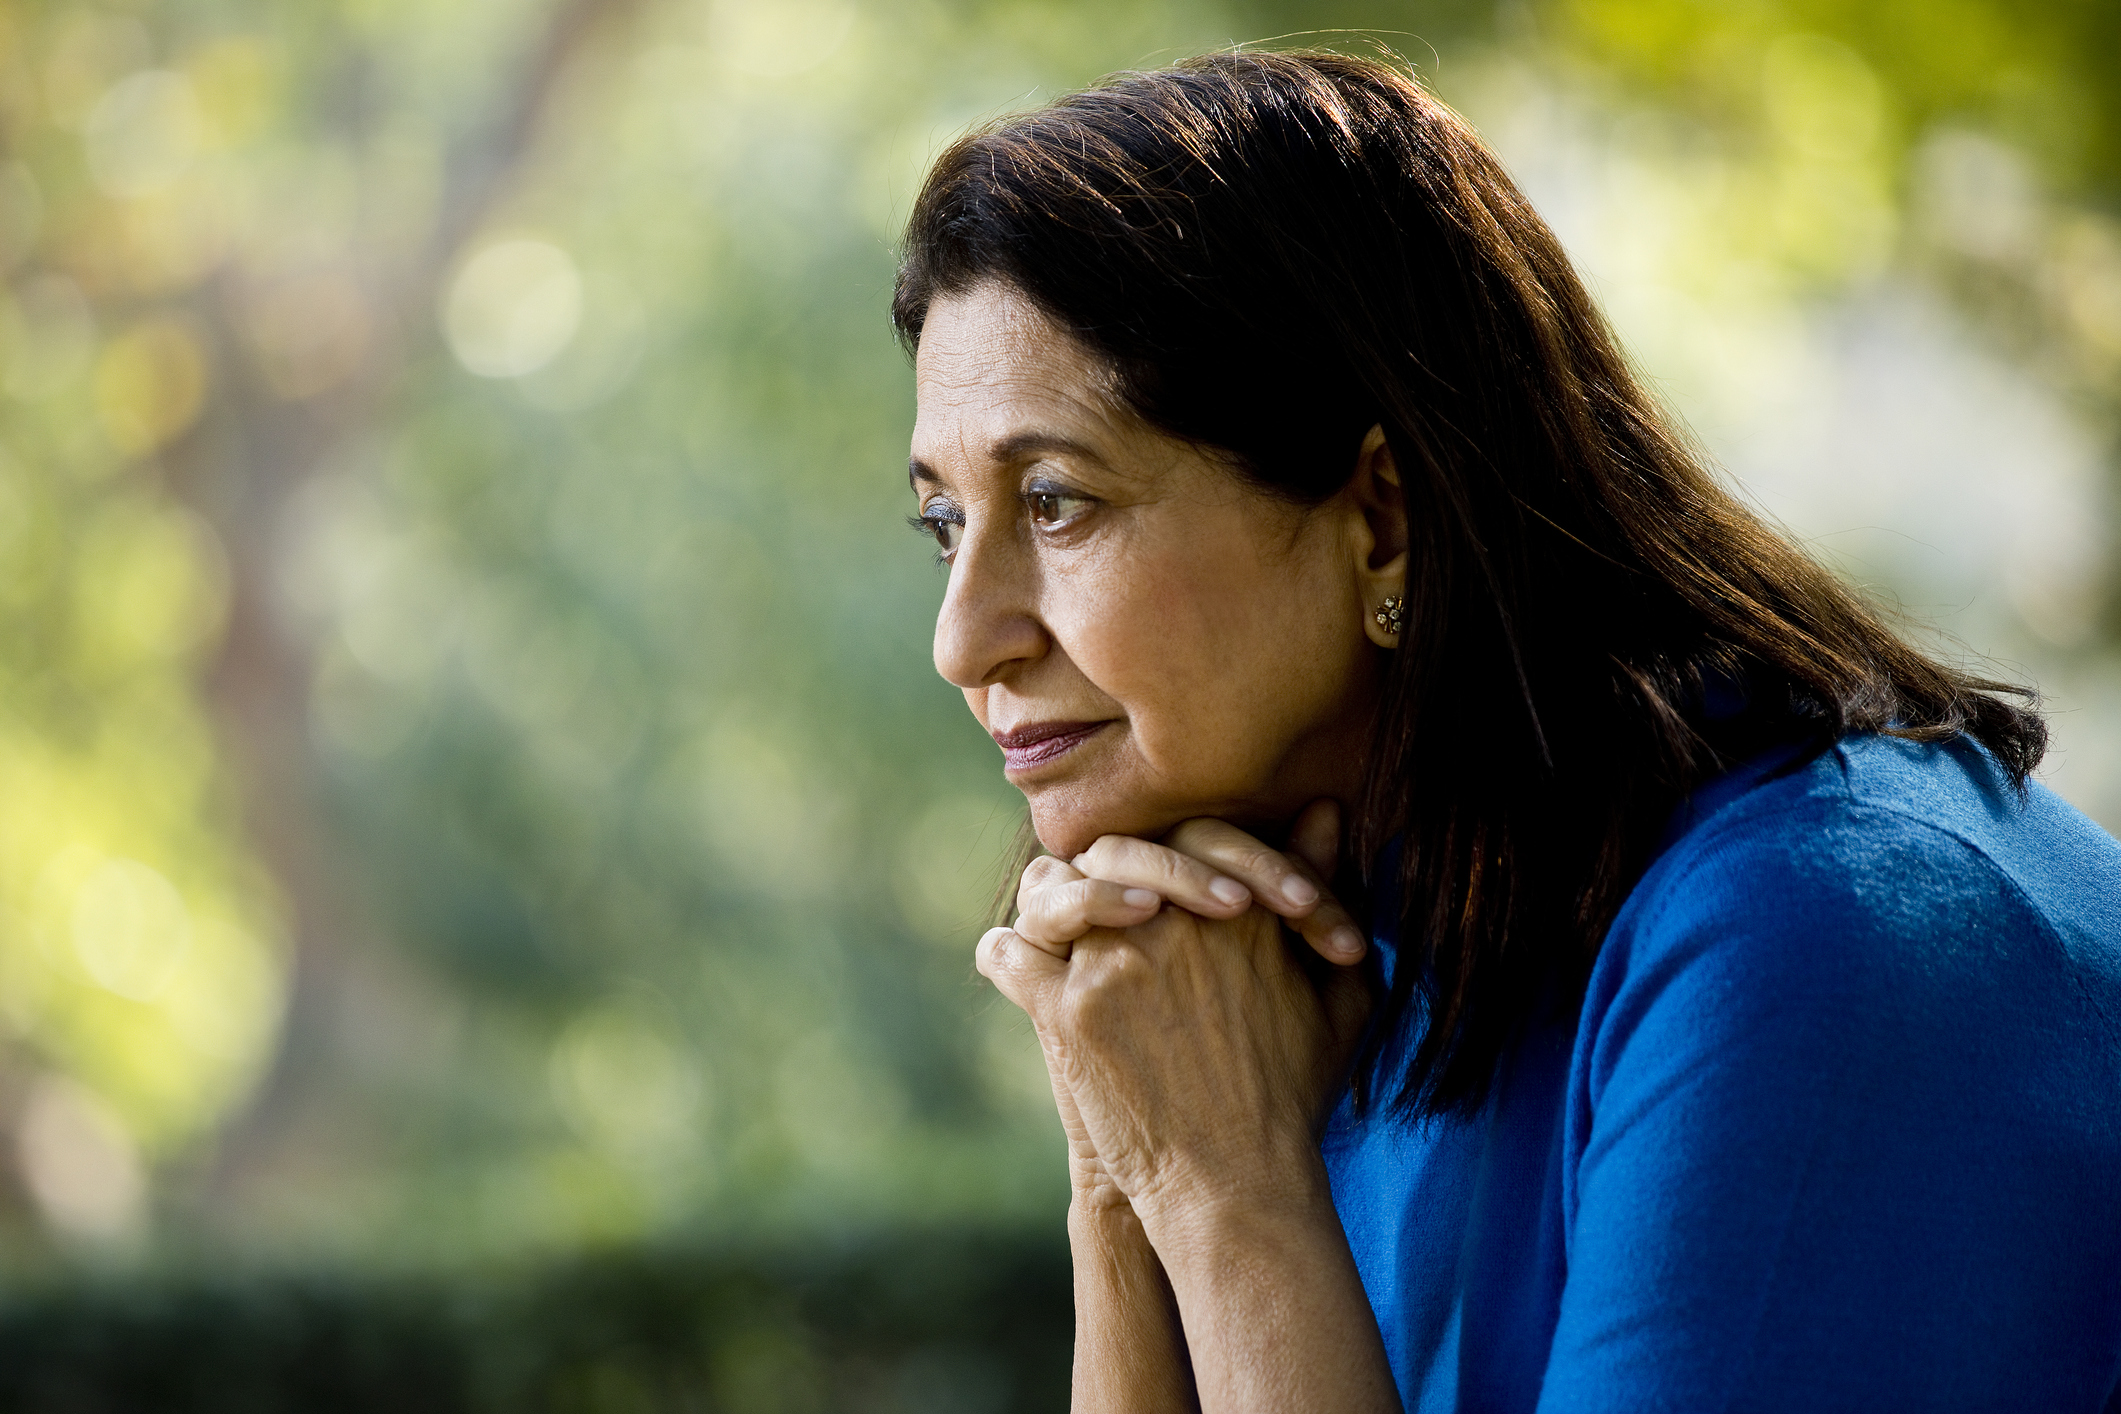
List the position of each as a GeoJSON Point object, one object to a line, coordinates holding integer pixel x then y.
{"type": "Point", "coordinates": [1868, 806]}
{"type": "Point", "coordinates": [1883, 864]}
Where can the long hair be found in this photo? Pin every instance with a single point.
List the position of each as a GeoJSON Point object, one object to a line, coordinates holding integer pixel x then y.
{"type": "Point", "coordinates": [1274, 253]}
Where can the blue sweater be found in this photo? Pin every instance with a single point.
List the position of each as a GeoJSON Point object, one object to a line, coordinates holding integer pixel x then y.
{"type": "Point", "coordinates": [1837, 1125]}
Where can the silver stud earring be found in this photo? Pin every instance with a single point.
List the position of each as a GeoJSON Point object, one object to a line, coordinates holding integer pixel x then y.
{"type": "Point", "coordinates": [1389, 614]}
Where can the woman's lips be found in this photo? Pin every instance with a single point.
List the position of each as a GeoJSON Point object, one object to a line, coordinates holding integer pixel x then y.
{"type": "Point", "coordinates": [1039, 742]}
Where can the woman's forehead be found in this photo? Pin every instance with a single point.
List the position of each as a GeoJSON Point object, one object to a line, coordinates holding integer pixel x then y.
{"type": "Point", "coordinates": [991, 340]}
{"type": "Point", "coordinates": [997, 381]}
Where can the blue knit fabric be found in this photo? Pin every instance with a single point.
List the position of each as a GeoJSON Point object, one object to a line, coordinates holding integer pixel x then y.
{"type": "Point", "coordinates": [1837, 1125]}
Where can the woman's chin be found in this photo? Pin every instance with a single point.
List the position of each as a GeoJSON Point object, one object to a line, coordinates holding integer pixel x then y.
{"type": "Point", "coordinates": [1068, 827]}
{"type": "Point", "coordinates": [1068, 822]}
{"type": "Point", "coordinates": [1073, 811]}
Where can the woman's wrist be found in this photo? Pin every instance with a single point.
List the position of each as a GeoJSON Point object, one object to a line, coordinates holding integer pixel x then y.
{"type": "Point", "coordinates": [1130, 1350]}
{"type": "Point", "coordinates": [1270, 1300]}
{"type": "Point", "coordinates": [1265, 1206]}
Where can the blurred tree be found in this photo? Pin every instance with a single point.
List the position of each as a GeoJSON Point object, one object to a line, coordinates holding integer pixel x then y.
{"type": "Point", "coordinates": [140, 945]}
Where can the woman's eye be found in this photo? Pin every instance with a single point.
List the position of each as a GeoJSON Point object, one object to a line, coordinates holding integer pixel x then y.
{"type": "Point", "coordinates": [944, 527]}
{"type": "Point", "coordinates": [1053, 507]}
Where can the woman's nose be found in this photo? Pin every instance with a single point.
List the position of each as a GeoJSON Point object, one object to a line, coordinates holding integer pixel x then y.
{"type": "Point", "coordinates": [989, 622]}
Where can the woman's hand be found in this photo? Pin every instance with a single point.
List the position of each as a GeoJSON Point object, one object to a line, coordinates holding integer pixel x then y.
{"type": "Point", "coordinates": [1181, 1048]}
{"type": "Point", "coordinates": [1200, 1057]}
{"type": "Point", "coordinates": [1204, 866]}
{"type": "Point", "coordinates": [1193, 1059]}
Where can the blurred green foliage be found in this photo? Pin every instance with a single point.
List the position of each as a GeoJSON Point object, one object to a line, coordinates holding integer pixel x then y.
{"type": "Point", "coordinates": [2041, 77]}
{"type": "Point", "coordinates": [1975, 142]}
{"type": "Point", "coordinates": [140, 943]}
{"type": "Point", "coordinates": [471, 784]}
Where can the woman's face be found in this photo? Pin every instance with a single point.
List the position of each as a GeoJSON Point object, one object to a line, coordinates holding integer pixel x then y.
{"type": "Point", "coordinates": [1148, 637]}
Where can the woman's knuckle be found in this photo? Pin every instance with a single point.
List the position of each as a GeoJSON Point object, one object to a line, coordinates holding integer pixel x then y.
{"type": "Point", "coordinates": [1044, 893]}
{"type": "Point", "coordinates": [987, 956]}
{"type": "Point", "coordinates": [1185, 872]}
{"type": "Point", "coordinates": [1192, 834]}
{"type": "Point", "coordinates": [1045, 870]}
{"type": "Point", "coordinates": [1080, 1009]}
{"type": "Point", "coordinates": [1109, 852]}
{"type": "Point", "coordinates": [1106, 856]}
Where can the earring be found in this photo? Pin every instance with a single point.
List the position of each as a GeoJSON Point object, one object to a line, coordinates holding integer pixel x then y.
{"type": "Point", "coordinates": [1389, 614]}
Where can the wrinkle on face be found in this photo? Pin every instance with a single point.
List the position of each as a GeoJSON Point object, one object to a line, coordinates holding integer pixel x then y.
{"type": "Point", "coordinates": [1217, 628]}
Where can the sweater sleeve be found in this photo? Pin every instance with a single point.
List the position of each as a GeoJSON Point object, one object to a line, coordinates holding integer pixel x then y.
{"type": "Point", "coordinates": [1829, 1148]}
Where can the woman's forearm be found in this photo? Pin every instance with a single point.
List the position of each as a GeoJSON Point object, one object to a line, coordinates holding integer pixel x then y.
{"type": "Point", "coordinates": [1275, 1314]}
{"type": "Point", "coordinates": [1130, 1354]}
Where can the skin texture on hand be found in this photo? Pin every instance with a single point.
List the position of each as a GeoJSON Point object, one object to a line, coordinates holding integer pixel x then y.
{"type": "Point", "coordinates": [1186, 1052]}
{"type": "Point", "coordinates": [1208, 868]}
{"type": "Point", "coordinates": [1193, 1060]}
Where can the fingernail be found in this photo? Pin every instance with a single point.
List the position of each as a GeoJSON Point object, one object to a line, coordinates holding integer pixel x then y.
{"type": "Point", "coordinates": [1140, 898]}
{"type": "Point", "coordinates": [1347, 942]}
{"type": "Point", "coordinates": [1229, 891]}
{"type": "Point", "coordinates": [1299, 891]}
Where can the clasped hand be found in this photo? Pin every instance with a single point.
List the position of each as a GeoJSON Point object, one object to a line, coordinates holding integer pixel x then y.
{"type": "Point", "coordinates": [1194, 1054]}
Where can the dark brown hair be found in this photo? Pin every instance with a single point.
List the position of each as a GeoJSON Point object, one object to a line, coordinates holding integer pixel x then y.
{"type": "Point", "coordinates": [1275, 252]}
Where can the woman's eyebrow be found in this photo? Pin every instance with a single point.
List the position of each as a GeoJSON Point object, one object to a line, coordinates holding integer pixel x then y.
{"type": "Point", "coordinates": [1016, 448]}
{"type": "Point", "coordinates": [1029, 446]}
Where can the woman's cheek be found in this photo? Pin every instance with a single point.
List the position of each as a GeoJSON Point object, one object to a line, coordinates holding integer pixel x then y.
{"type": "Point", "coordinates": [1152, 652]}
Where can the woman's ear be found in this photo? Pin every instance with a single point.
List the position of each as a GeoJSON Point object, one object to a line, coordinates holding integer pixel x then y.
{"type": "Point", "coordinates": [1380, 543]}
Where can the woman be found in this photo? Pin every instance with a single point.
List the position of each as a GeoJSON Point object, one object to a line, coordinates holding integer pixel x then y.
{"type": "Point", "coordinates": [1731, 1024]}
